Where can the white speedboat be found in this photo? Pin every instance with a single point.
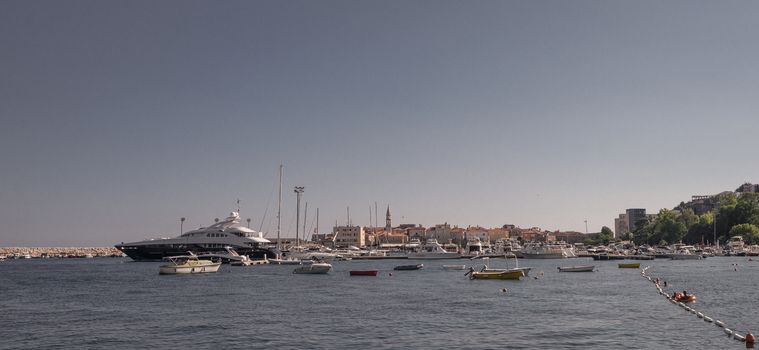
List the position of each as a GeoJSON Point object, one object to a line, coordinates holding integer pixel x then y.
{"type": "Point", "coordinates": [588, 268]}
{"type": "Point", "coordinates": [684, 252]}
{"type": "Point", "coordinates": [188, 264]}
{"type": "Point", "coordinates": [433, 250]}
{"type": "Point", "coordinates": [315, 268]}
{"type": "Point", "coordinates": [454, 267]}
{"type": "Point", "coordinates": [302, 253]}
{"type": "Point", "coordinates": [290, 262]}
{"type": "Point", "coordinates": [543, 251]}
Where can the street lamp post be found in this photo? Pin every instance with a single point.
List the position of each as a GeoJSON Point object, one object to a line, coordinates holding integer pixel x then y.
{"type": "Point", "coordinates": [716, 210]}
{"type": "Point", "coordinates": [298, 192]}
{"type": "Point", "coordinates": [181, 225]}
{"type": "Point", "coordinates": [248, 220]}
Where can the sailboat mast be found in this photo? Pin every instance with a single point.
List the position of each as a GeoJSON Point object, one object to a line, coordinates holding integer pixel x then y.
{"type": "Point", "coordinates": [279, 208]}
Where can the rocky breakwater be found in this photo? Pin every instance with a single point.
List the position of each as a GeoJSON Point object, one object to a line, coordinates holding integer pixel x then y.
{"type": "Point", "coordinates": [59, 252]}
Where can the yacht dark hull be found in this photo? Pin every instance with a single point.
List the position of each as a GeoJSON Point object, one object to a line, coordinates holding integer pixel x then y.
{"type": "Point", "coordinates": [158, 252]}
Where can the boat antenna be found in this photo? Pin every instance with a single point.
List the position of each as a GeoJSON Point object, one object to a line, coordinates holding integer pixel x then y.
{"type": "Point", "coordinates": [238, 205]}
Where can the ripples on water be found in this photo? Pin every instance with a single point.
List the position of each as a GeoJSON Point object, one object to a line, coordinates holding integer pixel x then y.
{"type": "Point", "coordinates": [116, 304]}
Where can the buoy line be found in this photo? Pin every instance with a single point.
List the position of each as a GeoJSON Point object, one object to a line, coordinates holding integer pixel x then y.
{"type": "Point", "coordinates": [748, 338]}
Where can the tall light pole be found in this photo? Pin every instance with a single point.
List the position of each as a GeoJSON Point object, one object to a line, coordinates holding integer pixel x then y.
{"type": "Point", "coordinates": [586, 226]}
{"type": "Point", "coordinates": [716, 210]}
{"type": "Point", "coordinates": [248, 220]}
{"type": "Point", "coordinates": [181, 225]}
{"type": "Point", "coordinates": [298, 192]}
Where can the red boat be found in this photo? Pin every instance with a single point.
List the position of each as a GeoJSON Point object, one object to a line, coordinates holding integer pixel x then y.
{"type": "Point", "coordinates": [364, 272]}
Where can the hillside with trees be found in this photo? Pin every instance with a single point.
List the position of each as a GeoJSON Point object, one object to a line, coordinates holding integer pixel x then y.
{"type": "Point", "coordinates": [737, 214]}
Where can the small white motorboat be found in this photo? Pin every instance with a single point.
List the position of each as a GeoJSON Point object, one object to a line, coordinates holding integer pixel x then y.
{"type": "Point", "coordinates": [454, 267]}
{"type": "Point", "coordinates": [290, 262]}
{"type": "Point", "coordinates": [315, 268]}
{"type": "Point", "coordinates": [188, 264]}
{"type": "Point", "coordinates": [586, 268]}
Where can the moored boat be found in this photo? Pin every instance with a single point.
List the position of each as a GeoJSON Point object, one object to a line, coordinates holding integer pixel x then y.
{"type": "Point", "coordinates": [408, 267]}
{"type": "Point", "coordinates": [628, 265]}
{"type": "Point", "coordinates": [497, 275]}
{"type": "Point", "coordinates": [543, 251]}
{"type": "Point", "coordinates": [454, 267]}
{"type": "Point", "coordinates": [432, 250]}
{"type": "Point", "coordinates": [315, 268]}
{"type": "Point", "coordinates": [587, 268]}
{"type": "Point", "coordinates": [364, 272]}
{"type": "Point", "coordinates": [212, 239]}
{"type": "Point", "coordinates": [188, 264]}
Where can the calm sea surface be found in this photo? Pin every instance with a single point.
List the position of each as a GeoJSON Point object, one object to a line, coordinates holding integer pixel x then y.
{"type": "Point", "coordinates": [114, 303]}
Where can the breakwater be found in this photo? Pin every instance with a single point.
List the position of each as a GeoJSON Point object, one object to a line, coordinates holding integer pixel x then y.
{"type": "Point", "coordinates": [59, 252]}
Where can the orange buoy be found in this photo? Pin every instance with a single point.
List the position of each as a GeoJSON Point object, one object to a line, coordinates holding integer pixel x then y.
{"type": "Point", "coordinates": [750, 338]}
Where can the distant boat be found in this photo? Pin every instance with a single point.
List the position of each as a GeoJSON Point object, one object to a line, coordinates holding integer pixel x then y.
{"type": "Point", "coordinates": [543, 251]}
{"type": "Point", "coordinates": [629, 265]}
{"type": "Point", "coordinates": [364, 272]}
{"type": "Point", "coordinates": [433, 250]}
{"type": "Point", "coordinates": [315, 268]}
{"type": "Point", "coordinates": [408, 267]}
{"type": "Point", "coordinates": [454, 267]}
{"type": "Point", "coordinates": [290, 262]}
{"type": "Point", "coordinates": [588, 268]}
{"type": "Point", "coordinates": [188, 264]}
{"type": "Point", "coordinates": [504, 275]}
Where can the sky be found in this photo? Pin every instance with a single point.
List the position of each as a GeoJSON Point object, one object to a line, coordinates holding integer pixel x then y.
{"type": "Point", "coordinates": [119, 117]}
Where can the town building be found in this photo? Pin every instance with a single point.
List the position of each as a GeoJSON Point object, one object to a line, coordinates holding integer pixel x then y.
{"type": "Point", "coordinates": [621, 226]}
{"type": "Point", "coordinates": [346, 236]}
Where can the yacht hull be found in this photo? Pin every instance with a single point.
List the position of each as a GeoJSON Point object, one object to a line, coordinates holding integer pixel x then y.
{"type": "Point", "coordinates": [158, 252]}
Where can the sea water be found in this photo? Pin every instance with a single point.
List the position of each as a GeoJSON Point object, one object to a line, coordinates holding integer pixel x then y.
{"type": "Point", "coordinates": [114, 303]}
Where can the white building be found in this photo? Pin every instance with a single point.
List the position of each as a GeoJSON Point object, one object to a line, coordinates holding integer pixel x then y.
{"type": "Point", "coordinates": [346, 236]}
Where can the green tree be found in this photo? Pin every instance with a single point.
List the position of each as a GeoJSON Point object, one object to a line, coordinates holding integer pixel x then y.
{"type": "Point", "coordinates": [668, 228]}
{"type": "Point", "coordinates": [643, 234]}
{"type": "Point", "coordinates": [606, 235]}
{"type": "Point", "coordinates": [750, 232]}
{"type": "Point", "coordinates": [703, 230]}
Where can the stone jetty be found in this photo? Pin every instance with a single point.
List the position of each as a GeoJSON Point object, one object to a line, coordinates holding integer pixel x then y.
{"type": "Point", "coordinates": [60, 252]}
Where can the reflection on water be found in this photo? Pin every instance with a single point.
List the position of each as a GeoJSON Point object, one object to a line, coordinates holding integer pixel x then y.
{"type": "Point", "coordinates": [113, 303]}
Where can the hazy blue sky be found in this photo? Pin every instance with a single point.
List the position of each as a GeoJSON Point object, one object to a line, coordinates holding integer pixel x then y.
{"type": "Point", "coordinates": [120, 117]}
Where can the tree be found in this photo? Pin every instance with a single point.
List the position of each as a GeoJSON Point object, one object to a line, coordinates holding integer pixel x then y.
{"type": "Point", "coordinates": [749, 232]}
{"type": "Point", "coordinates": [668, 228]}
{"type": "Point", "coordinates": [606, 235]}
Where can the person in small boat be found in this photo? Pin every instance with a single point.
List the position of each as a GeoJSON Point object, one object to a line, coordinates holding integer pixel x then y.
{"type": "Point", "coordinates": [685, 294]}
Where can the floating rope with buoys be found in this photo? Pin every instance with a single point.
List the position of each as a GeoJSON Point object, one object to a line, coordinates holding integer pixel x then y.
{"type": "Point", "coordinates": [681, 299]}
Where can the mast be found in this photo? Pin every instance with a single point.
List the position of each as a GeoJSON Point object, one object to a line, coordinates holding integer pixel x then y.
{"type": "Point", "coordinates": [305, 218]}
{"type": "Point", "coordinates": [279, 208]}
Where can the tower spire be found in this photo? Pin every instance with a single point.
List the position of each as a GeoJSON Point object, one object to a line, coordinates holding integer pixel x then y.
{"type": "Point", "coordinates": [388, 226]}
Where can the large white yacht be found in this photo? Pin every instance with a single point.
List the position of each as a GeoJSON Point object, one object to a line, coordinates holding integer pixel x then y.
{"type": "Point", "coordinates": [211, 239]}
{"type": "Point", "coordinates": [736, 246]}
{"type": "Point", "coordinates": [432, 250]}
{"type": "Point", "coordinates": [543, 251]}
